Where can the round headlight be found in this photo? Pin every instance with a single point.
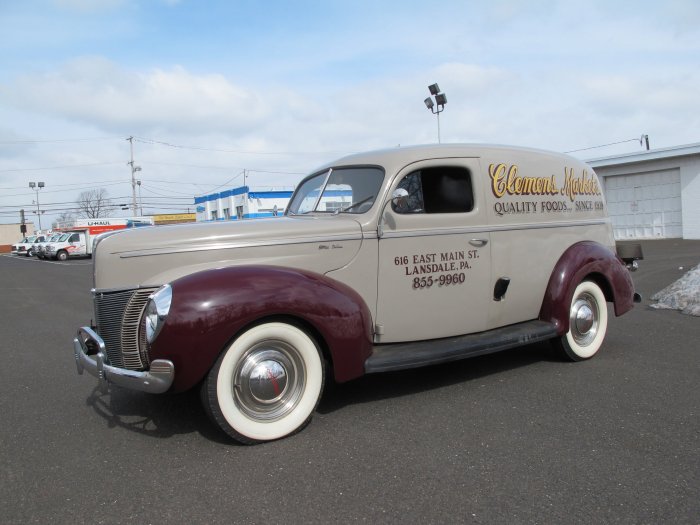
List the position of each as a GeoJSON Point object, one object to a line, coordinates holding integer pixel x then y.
{"type": "Point", "coordinates": [156, 311]}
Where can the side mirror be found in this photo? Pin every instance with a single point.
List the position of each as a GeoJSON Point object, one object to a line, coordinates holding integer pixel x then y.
{"type": "Point", "coordinates": [399, 197]}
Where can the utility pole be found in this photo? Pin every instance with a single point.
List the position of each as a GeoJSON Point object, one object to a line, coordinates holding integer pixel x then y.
{"type": "Point", "coordinates": [134, 169]}
{"type": "Point", "coordinates": [645, 138]}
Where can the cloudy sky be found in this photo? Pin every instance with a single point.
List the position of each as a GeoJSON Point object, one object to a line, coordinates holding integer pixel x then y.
{"type": "Point", "coordinates": [275, 88]}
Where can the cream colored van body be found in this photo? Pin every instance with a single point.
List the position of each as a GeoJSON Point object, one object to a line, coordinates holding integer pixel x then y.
{"type": "Point", "coordinates": [445, 248]}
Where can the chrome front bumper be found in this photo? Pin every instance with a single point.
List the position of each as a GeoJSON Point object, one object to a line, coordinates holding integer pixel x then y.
{"type": "Point", "coordinates": [154, 381]}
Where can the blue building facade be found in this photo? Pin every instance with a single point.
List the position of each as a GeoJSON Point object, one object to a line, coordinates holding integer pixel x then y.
{"type": "Point", "coordinates": [242, 203]}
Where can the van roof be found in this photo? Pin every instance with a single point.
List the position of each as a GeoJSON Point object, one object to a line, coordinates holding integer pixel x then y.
{"type": "Point", "coordinates": [401, 156]}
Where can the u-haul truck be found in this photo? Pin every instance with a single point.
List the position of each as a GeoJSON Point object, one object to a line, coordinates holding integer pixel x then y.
{"type": "Point", "coordinates": [78, 236]}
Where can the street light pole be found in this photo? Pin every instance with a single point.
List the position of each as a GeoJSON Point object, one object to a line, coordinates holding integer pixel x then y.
{"type": "Point", "coordinates": [440, 101]}
{"type": "Point", "coordinates": [36, 187]}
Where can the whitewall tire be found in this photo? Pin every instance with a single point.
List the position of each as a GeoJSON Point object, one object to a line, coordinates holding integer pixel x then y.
{"type": "Point", "coordinates": [588, 322]}
{"type": "Point", "coordinates": [266, 384]}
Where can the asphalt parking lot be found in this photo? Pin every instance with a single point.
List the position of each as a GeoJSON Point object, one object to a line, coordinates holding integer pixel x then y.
{"type": "Point", "coordinates": [517, 437]}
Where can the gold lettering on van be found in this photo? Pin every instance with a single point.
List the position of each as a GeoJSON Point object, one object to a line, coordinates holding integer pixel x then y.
{"type": "Point", "coordinates": [505, 180]}
{"type": "Point", "coordinates": [583, 185]}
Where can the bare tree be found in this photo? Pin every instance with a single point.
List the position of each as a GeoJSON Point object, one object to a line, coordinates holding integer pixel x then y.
{"type": "Point", "coordinates": [64, 218]}
{"type": "Point", "coordinates": [94, 204]}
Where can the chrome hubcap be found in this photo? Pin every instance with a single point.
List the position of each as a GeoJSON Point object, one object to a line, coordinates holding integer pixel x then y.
{"type": "Point", "coordinates": [268, 381]}
{"type": "Point", "coordinates": [584, 319]}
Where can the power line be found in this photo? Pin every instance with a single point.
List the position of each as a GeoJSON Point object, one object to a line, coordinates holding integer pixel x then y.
{"type": "Point", "coordinates": [63, 191]}
{"type": "Point", "coordinates": [603, 145]}
{"type": "Point", "coordinates": [224, 168]}
{"type": "Point", "coordinates": [61, 167]}
{"type": "Point", "coordinates": [149, 189]}
{"type": "Point", "coordinates": [227, 182]}
{"type": "Point", "coordinates": [145, 140]}
{"type": "Point", "coordinates": [70, 184]}
{"type": "Point", "coordinates": [49, 141]}
{"type": "Point", "coordinates": [157, 185]}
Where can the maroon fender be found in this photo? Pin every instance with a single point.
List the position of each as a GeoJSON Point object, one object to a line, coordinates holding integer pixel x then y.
{"type": "Point", "coordinates": [211, 307]}
{"type": "Point", "coordinates": [583, 260]}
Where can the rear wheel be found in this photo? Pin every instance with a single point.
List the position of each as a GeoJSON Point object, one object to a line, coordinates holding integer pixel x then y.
{"type": "Point", "coordinates": [588, 322]}
{"type": "Point", "coordinates": [266, 384]}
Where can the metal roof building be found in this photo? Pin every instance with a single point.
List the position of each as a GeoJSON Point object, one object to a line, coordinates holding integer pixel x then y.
{"type": "Point", "coordinates": [653, 194]}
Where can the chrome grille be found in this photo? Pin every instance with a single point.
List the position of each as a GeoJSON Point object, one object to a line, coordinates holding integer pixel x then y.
{"type": "Point", "coordinates": [117, 317]}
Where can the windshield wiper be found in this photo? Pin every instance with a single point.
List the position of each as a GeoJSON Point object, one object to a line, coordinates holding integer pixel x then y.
{"type": "Point", "coordinates": [353, 205]}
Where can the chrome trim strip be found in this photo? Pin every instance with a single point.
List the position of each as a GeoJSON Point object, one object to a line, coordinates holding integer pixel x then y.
{"type": "Point", "coordinates": [232, 245]}
{"type": "Point", "coordinates": [154, 381]}
{"type": "Point", "coordinates": [492, 229]}
{"type": "Point", "coordinates": [358, 237]}
{"type": "Point", "coordinates": [95, 291]}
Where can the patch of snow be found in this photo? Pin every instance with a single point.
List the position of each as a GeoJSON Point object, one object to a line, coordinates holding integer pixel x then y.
{"type": "Point", "coordinates": [683, 295]}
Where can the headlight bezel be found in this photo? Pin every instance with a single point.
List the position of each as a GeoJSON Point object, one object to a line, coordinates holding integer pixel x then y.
{"type": "Point", "coordinates": [156, 311]}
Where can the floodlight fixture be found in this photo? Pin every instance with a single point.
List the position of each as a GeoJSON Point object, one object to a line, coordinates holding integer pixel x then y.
{"type": "Point", "coordinates": [440, 101]}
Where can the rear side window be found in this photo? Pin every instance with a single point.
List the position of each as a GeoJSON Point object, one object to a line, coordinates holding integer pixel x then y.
{"type": "Point", "coordinates": [437, 190]}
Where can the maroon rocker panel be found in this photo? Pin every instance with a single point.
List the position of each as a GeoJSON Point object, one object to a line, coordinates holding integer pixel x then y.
{"type": "Point", "coordinates": [586, 260]}
{"type": "Point", "coordinates": [210, 308]}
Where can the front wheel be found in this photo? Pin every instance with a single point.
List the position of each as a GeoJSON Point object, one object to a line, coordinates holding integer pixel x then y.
{"type": "Point", "coordinates": [62, 255]}
{"type": "Point", "coordinates": [588, 322]}
{"type": "Point", "coordinates": [266, 384]}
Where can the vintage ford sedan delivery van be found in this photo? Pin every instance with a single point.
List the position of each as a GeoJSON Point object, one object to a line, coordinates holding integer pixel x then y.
{"type": "Point", "coordinates": [383, 261]}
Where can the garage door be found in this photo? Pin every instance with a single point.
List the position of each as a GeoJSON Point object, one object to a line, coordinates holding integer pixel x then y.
{"type": "Point", "coordinates": [645, 205]}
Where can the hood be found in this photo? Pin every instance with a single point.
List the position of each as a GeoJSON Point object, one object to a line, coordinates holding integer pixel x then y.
{"type": "Point", "coordinates": [152, 256]}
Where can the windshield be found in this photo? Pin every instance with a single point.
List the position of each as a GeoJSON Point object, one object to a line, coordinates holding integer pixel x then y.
{"type": "Point", "coordinates": [338, 190]}
{"type": "Point", "coordinates": [64, 237]}
{"type": "Point", "coordinates": [29, 239]}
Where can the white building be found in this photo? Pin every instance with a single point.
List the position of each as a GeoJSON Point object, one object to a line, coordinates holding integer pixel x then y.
{"type": "Point", "coordinates": [241, 203]}
{"type": "Point", "coordinates": [653, 194]}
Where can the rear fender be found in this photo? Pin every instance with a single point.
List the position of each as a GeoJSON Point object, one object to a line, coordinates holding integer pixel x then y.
{"type": "Point", "coordinates": [210, 308]}
{"type": "Point", "coordinates": [586, 260]}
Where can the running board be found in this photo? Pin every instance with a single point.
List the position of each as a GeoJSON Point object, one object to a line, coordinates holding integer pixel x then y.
{"type": "Point", "coordinates": [401, 356]}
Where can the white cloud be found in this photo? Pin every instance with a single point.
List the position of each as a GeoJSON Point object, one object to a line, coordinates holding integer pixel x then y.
{"type": "Point", "coordinates": [100, 93]}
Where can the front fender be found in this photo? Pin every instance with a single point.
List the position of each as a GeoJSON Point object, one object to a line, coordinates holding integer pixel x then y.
{"type": "Point", "coordinates": [212, 307]}
{"type": "Point", "coordinates": [583, 260]}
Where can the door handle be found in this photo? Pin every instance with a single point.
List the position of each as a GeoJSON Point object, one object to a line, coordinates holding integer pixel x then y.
{"type": "Point", "coordinates": [478, 243]}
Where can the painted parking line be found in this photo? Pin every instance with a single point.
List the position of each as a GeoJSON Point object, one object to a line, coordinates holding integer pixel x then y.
{"type": "Point", "coordinates": [33, 259]}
